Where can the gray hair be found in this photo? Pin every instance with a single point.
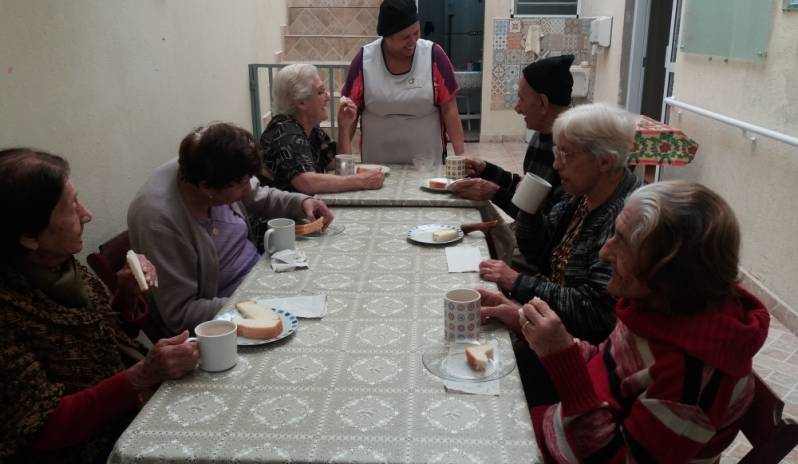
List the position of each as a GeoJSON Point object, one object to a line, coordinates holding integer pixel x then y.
{"type": "Point", "coordinates": [598, 129]}
{"type": "Point", "coordinates": [294, 81]}
{"type": "Point", "coordinates": [688, 243]}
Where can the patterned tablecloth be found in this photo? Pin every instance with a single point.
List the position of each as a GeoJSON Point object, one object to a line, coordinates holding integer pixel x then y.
{"type": "Point", "coordinates": [350, 387]}
{"type": "Point", "coordinates": [658, 143]}
{"type": "Point", "coordinates": [402, 187]}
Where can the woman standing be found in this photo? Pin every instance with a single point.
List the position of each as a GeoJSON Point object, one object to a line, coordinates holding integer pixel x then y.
{"type": "Point", "coordinates": [403, 88]}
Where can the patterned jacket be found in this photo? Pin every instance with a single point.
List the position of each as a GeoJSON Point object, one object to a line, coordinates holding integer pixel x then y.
{"type": "Point", "coordinates": [48, 351]}
{"type": "Point", "coordinates": [583, 303]}
{"type": "Point", "coordinates": [661, 388]}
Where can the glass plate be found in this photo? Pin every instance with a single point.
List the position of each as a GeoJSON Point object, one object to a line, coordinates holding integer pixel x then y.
{"type": "Point", "coordinates": [332, 229]}
{"type": "Point", "coordinates": [290, 324]}
{"type": "Point", "coordinates": [423, 234]}
{"type": "Point", "coordinates": [425, 185]}
{"type": "Point", "coordinates": [448, 361]}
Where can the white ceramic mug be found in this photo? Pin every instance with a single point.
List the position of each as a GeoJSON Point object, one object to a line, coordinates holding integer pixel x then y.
{"type": "Point", "coordinates": [455, 167]}
{"type": "Point", "coordinates": [461, 314]}
{"type": "Point", "coordinates": [280, 235]}
{"type": "Point", "coordinates": [218, 345]}
{"type": "Point", "coordinates": [344, 165]}
{"type": "Point", "coordinates": [531, 192]}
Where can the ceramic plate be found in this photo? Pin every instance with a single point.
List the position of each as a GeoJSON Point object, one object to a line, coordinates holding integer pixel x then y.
{"type": "Point", "coordinates": [423, 233]}
{"type": "Point", "coordinates": [290, 324]}
{"type": "Point", "coordinates": [425, 185]}
{"type": "Point", "coordinates": [332, 229]}
{"type": "Point", "coordinates": [373, 167]}
{"type": "Point", "coordinates": [448, 361]}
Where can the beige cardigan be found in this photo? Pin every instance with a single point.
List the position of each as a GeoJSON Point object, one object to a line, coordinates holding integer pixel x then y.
{"type": "Point", "coordinates": [162, 228]}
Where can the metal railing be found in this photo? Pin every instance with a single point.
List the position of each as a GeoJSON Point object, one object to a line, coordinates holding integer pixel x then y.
{"type": "Point", "coordinates": [746, 127]}
{"type": "Point", "coordinates": [254, 91]}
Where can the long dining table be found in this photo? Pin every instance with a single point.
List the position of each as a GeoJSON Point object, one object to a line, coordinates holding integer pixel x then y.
{"type": "Point", "coordinates": [349, 387]}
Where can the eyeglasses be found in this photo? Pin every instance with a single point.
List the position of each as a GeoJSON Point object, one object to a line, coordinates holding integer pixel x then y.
{"type": "Point", "coordinates": [321, 91]}
{"type": "Point", "coordinates": [563, 156]}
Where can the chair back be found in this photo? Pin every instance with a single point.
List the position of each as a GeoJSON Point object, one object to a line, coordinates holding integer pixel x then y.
{"type": "Point", "coordinates": [110, 258]}
{"type": "Point", "coordinates": [771, 435]}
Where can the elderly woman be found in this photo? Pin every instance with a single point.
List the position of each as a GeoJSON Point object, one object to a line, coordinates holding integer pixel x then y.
{"type": "Point", "coordinates": [674, 378]}
{"type": "Point", "coordinates": [71, 378]}
{"type": "Point", "coordinates": [296, 151]}
{"type": "Point", "coordinates": [404, 89]}
{"type": "Point", "coordinates": [592, 142]}
{"type": "Point", "coordinates": [192, 219]}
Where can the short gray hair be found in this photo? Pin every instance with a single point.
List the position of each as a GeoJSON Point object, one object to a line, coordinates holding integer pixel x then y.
{"type": "Point", "coordinates": [688, 243]}
{"type": "Point", "coordinates": [598, 129]}
{"type": "Point", "coordinates": [294, 81]}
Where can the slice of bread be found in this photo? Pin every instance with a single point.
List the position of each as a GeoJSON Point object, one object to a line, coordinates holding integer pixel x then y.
{"type": "Point", "coordinates": [361, 169]}
{"type": "Point", "coordinates": [444, 235]}
{"type": "Point", "coordinates": [436, 184]}
{"type": "Point", "coordinates": [135, 267]}
{"type": "Point", "coordinates": [478, 355]}
{"type": "Point", "coordinates": [257, 321]}
{"type": "Point", "coordinates": [304, 229]}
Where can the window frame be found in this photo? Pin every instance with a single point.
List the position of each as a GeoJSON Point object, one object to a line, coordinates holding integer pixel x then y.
{"type": "Point", "coordinates": [578, 13]}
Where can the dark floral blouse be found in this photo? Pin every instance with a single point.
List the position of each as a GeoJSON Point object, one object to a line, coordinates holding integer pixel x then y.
{"type": "Point", "coordinates": [288, 152]}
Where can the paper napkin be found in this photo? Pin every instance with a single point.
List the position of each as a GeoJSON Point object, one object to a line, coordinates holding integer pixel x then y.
{"type": "Point", "coordinates": [306, 306]}
{"type": "Point", "coordinates": [463, 259]}
{"type": "Point", "coordinates": [288, 260]}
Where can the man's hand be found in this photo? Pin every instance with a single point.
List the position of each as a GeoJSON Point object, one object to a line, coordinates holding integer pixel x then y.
{"type": "Point", "coordinates": [315, 209]}
{"type": "Point", "coordinates": [474, 166]}
{"type": "Point", "coordinates": [474, 189]}
{"type": "Point", "coordinates": [494, 270]}
{"type": "Point", "coordinates": [494, 304]}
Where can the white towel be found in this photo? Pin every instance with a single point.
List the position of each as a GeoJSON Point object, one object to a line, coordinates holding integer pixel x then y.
{"type": "Point", "coordinates": [532, 43]}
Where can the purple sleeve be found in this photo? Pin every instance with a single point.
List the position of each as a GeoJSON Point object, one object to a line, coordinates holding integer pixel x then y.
{"type": "Point", "coordinates": [355, 68]}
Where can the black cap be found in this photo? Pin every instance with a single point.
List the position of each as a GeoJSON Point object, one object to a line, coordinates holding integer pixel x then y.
{"type": "Point", "coordinates": [552, 77]}
{"type": "Point", "coordinates": [396, 15]}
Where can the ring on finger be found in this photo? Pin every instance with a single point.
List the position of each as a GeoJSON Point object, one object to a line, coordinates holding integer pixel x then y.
{"type": "Point", "coordinates": [523, 326]}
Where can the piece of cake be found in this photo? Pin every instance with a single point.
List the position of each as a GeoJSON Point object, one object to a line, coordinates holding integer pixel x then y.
{"type": "Point", "coordinates": [444, 235]}
{"type": "Point", "coordinates": [257, 321]}
{"type": "Point", "coordinates": [360, 169]}
{"type": "Point", "coordinates": [437, 184]}
{"type": "Point", "coordinates": [478, 355]}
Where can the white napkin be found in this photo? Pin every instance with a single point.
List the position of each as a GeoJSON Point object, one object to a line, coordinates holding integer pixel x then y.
{"type": "Point", "coordinates": [532, 43]}
{"type": "Point", "coordinates": [288, 260]}
{"type": "Point", "coordinates": [463, 259]}
{"type": "Point", "coordinates": [307, 306]}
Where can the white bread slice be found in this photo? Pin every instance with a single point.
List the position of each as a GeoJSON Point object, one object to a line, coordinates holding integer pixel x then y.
{"type": "Point", "coordinates": [478, 355]}
{"type": "Point", "coordinates": [259, 329]}
{"type": "Point", "coordinates": [257, 321]}
{"type": "Point", "coordinates": [135, 267]}
{"type": "Point", "coordinates": [444, 235]}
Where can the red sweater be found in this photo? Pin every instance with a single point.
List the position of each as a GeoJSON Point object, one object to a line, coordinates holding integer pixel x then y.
{"type": "Point", "coordinates": [662, 388]}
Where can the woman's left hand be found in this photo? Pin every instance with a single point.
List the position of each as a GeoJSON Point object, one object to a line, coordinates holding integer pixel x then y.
{"type": "Point", "coordinates": [494, 270]}
{"type": "Point", "coordinates": [126, 282]}
{"type": "Point", "coordinates": [543, 329]}
{"type": "Point", "coordinates": [315, 209]}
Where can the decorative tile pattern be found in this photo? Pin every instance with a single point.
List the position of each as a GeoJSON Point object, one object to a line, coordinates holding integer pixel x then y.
{"type": "Point", "coordinates": [560, 36]}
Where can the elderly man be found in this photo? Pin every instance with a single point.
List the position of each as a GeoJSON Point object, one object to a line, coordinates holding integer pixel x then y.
{"type": "Point", "coordinates": [544, 92]}
{"type": "Point", "coordinates": [296, 151]}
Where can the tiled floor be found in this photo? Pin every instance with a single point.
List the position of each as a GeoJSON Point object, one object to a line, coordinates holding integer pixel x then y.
{"type": "Point", "coordinates": [776, 362]}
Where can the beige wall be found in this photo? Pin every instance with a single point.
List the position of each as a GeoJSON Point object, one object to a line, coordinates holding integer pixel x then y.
{"type": "Point", "coordinates": [114, 85]}
{"type": "Point", "coordinates": [758, 181]}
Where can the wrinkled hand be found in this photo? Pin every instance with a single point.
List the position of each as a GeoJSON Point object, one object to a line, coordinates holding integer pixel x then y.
{"type": "Point", "coordinates": [126, 282]}
{"type": "Point", "coordinates": [170, 358]}
{"type": "Point", "coordinates": [494, 304]}
{"type": "Point", "coordinates": [474, 166]}
{"type": "Point", "coordinates": [315, 209]}
{"type": "Point", "coordinates": [372, 179]}
{"type": "Point", "coordinates": [494, 270]}
{"type": "Point", "coordinates": [542, 328]}
{"type": "Point", "coordinates": [347, 113]}
{"type": "Point", "coordinates": [474, 189]}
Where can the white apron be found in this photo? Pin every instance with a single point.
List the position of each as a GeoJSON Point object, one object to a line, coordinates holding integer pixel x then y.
{"type": "Point", "coordinates": [400, 120]}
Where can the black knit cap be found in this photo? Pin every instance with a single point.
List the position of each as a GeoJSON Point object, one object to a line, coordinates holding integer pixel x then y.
{"type": "Point", "coordinates": [396, 15]}
{"type": "Point", "coordinates": [552, 77]}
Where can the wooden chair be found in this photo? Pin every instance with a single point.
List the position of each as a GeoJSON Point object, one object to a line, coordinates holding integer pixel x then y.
{"type": "Point", "coordinates": [771, 435]}
{"type": "Point", "coordinates": [111, 257]}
